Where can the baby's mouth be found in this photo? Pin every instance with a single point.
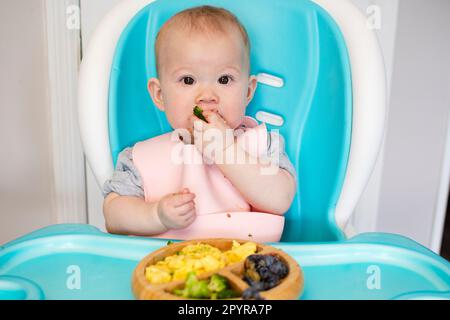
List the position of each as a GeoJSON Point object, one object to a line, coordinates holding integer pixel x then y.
{"type": "Point", "coordinates": [198, 112]}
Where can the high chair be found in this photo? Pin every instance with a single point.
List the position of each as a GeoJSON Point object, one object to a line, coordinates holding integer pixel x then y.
{"type": "Point", "coordinates": [321, 84]}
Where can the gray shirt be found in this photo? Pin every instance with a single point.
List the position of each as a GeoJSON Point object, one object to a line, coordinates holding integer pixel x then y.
{"type": "Point", "coordinates": [127, 181]}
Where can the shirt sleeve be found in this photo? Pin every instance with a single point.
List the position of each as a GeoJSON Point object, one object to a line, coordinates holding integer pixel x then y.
{"type": "Point", "coordinates": [126, 179]}
{"type": "Point", "coordinates": [277, 153]}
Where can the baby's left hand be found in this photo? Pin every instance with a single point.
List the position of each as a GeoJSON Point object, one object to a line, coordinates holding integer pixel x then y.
{"type": "Point", "coordinates": [212, 137]}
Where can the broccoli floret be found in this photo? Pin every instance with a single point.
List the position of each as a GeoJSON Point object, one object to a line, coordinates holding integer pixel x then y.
{"type": "Point", "coordinates": [191, 278]}
{"type": "Point", "coordinates": [217, 283]}
{"type": "Point", "coordinates": [179, 292]}
{"type": "Point", "coordinates": [195, 288]}
{"type": "Point", "coordinates": [215, 287]}
{"type": "Point", "coordinates": [227, 294]}
{"type": "Point", "coordinates": [199, 290]}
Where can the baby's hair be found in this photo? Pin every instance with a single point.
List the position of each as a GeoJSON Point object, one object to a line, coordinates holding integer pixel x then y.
{"type": "Point", "coordinates": [203, 18]}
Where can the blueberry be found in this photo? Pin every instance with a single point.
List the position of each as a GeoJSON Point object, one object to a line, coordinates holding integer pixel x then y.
{"type": "Point", "coordinates": [249, 280]}
{"type": "Point", "coordinates": [270, 259]}
{"type": "Point", "coordinates": [251, 293]}
{"type": "Point", "coordinates": [279, 268]}
{"type": "Point", "coordinates": [259, 286]}
{"type": "Point", "coordinates": [263, 272]}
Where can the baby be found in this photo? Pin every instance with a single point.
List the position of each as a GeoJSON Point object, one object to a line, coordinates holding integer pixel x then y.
{"type": "Point", "coordinates": [203, 59]}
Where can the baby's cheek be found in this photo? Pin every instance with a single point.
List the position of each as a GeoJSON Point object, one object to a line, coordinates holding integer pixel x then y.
{"type": "Point", "coordinates": [176, 121]}
{"type": "Point", "coordinates": [233, 121]}
{"type": "Point", "coordinates": [238, 117]}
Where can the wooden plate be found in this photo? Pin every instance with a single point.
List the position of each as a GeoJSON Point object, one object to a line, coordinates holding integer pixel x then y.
{"type": "Point", "coordinates": [290, 287]}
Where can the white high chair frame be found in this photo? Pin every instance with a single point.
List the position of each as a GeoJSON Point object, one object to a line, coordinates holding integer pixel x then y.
{"type": "Point", "coordinates": [368, 86]}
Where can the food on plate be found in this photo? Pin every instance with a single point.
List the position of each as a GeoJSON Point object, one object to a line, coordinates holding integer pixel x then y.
{"type": "Point", "coordinates": [198, 258]}
{"type": "Point", "coordinates": [263, 272]}
{"type": "Point", "coordinates": [216, 287]}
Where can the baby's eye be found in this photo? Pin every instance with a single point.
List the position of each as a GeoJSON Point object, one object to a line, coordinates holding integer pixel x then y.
{"type": "Point", "coordinates": [225, 79]}
{"type": "Point", "coordinates": [188, 81]}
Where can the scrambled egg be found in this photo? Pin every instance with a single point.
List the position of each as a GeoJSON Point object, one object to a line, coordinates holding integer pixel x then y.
{"type": "Point", "coordinates": [199, 258]}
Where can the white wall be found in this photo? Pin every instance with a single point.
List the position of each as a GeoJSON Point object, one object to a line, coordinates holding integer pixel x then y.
{"type": "Point", "coordinates": [407, 193]}
{"type": "Point", "coordinates": [26, 171]}
{"type": "Point", "coordinates": [418, 120]}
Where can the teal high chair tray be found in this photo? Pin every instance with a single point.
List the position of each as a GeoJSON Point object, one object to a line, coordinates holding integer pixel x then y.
{"type": "Point", "coordinates": [80, 262]}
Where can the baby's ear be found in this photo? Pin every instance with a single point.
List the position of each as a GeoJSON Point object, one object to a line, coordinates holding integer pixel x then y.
{"type": "Point", "coordinates": [154, 88]}
{"type": "Point", "coordinates": [252, 84]}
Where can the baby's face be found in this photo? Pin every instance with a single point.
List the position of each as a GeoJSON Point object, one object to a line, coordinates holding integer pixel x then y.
{"type": "Point", "coordinates": [209, 70]}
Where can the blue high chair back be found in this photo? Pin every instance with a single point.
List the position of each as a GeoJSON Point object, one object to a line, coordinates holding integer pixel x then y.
{"type": "Point", "coordinates": [294, 40]}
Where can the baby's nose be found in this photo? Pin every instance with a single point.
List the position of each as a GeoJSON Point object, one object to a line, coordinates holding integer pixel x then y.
{"type": "Point", "coordinates": [207, 99]}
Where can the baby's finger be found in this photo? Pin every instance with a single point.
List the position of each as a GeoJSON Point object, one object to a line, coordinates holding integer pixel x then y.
{"type": "Point", "coordinates": [188, 214]}
{"type": "Point", "coordinates": [180, 199]}
{"type": "Point", "coordinates": [210, 116]}
{"type": "Point", "coordinates": [185, 208]}
{"type": "Point", "coordinates": [192, 120]}
{"type": "Point", "coordinates": [213, 116]}
{"type": "Point", "coordinates": [189, 219]}
{"type": "Point", "coordinates": [192, 125]}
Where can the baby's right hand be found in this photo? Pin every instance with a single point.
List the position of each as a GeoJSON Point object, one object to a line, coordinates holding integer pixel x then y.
{"type": "Point", "coordinates": [177, 210]}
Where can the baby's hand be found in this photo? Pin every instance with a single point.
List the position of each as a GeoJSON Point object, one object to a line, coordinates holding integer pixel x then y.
{"type": "Point", "coordinates": [177, 210]}
{"type": "Point", "coordinates": [218, 139]}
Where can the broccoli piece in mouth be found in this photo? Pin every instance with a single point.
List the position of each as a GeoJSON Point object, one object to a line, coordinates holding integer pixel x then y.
{"type": "Point", "coordinates": [198, 112]}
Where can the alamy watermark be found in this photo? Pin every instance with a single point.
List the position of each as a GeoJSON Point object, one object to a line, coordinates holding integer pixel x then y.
{"type": "Point", "coordinates": [373, 17]}
{"type": "Point", "coordinates": [373, 281]}
{"type": "Point", "coordinates": [73, 21]}
{"type": "Point", "coordinates": [224, 147]}
{"type": "Point", "coordinates": [73, 281]}
{"type": "Point", "coordinates": [73, 17]}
